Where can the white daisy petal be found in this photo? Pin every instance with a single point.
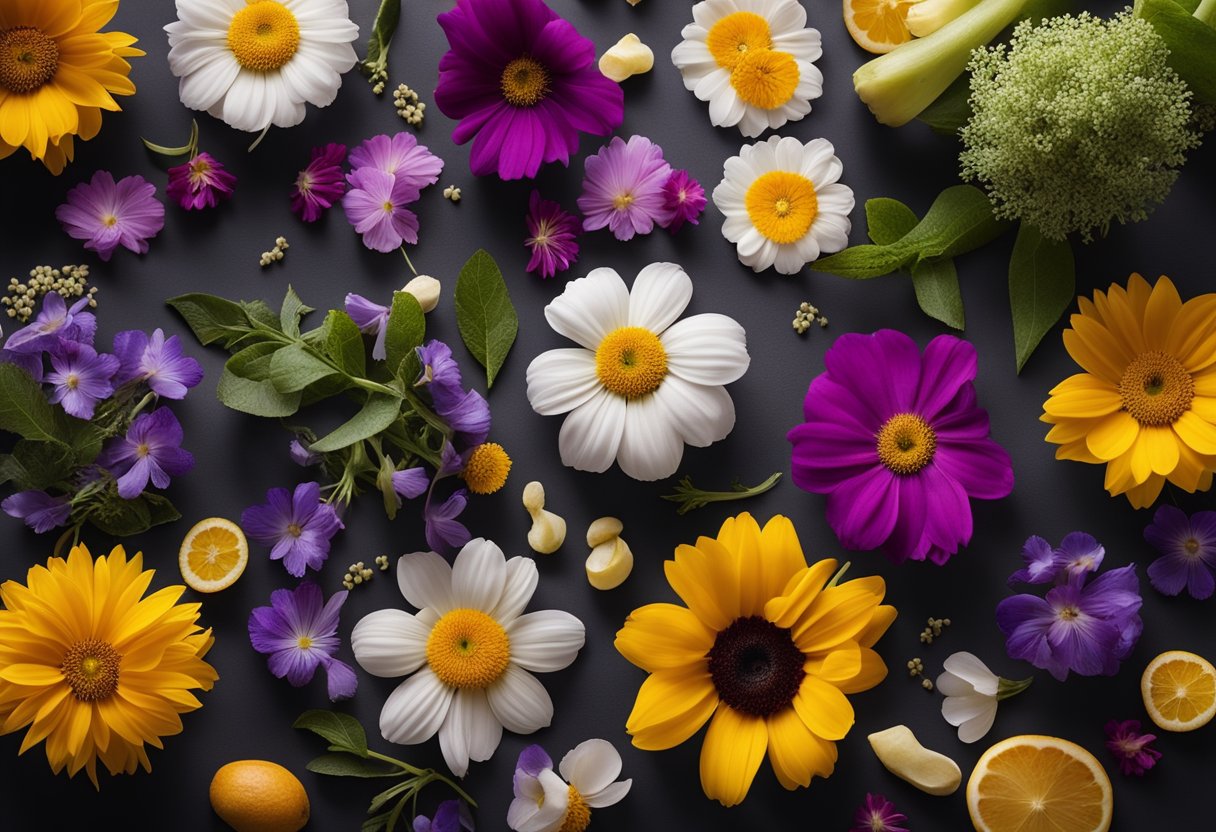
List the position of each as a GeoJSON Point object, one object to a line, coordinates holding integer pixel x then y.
{"type": "Point", "coordinates": [210, 83]}
{"type": "Point", "coordinates": [425, 579]}
{"type": "Point", "coordinates": [561, 380]}
{"type": "Point", "coordinates": [414, 711]}
{"type": "Point", "coordinates": [478, 575]}
{"type": "Point", "coordinates": [470, 731]}
{"type": "Point", "coordinates": [591, 766]}
{"type": "Point", "coordinates": [520, 702]}
{"type": "Point", "coordinates": [609, 795]}
{"type": "Point", "coordinates": [545, 641]}
{"type": "Point", "coordinates": [389, 643]}
{"type": "Point", "coordinates": [651, 445]}
{"type": "Point", "coordinates": [706, 349]}
{"type": "Point", "coordinates": [591, 434]}
{"type": "Point", "coordinates": [660, 294]}
{"type": "Point", "coordinates": [590, 307]}
{"type": "Point", "coordinates": [544, 814]}
{"type": "Point", "coordinates": [703, 414]}
{"type": "Point", "coordinates": [517, 590]}
{"type": "Point", "coordinates": [969, 668]}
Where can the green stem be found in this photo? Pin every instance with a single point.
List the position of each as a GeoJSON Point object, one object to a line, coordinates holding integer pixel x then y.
{"type": "Point", "coordinates": [427, 414]}
{"type": "Point", "coordinates": [144, 402]}
{"type": "Point", "coordinates": [401, 764]}
{"type": "Point", "coordinates": [1006, 688]}
{"type": "Point", "coordinates": [1206, 12]}
{"type": "Point", "coordinates": [839, 574]}
{"type": "Point", "coordinates": [408, 262]}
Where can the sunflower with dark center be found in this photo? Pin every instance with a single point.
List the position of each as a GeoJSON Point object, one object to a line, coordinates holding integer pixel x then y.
{"type": "Point", "coordinates": [765, 651]}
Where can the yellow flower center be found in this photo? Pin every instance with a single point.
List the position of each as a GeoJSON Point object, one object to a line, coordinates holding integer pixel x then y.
{"type": "Point", "coordinates": [1069, 613]}
{"type": "Point", "coordinates": [578, 813]}
{"type": "Point", "coordinates": [631, 362]}
{"type": "Point", "coordinates": [487, 468]}
{"type": "Point", "coordinates": [765, 78]}
{"type": "Point", "coordinates": [468, 649]}
{"type": "Point", "coordinates": [737, 34]}
{"type": "Point", "coordinates": [73, 381]}
{"type": "Point", "coordinates": [622, 201]}
{"type": "Point", "coordinates": [906, 443]}
{"type": "Point", "coordinates": [1191, 545]}
{"type": "Point", "coordinates": [263, 36]}
{"type": "Point", "coordinates": [109, 220]}
{"type": "Point", "coordinates": [1156, 389]}
{"type": "Point", "coordinates": [525, 82]}
{"type": "Point", "coordinates": [199, 168]}
{"type": "Point", "coordinates": [90, 668]}
{"type": "Point", "coordinates": [294, 529]}
{"type": "Point", "coordinates": [304, 642]}
{"type": "Point", "coordinates": [142, 449]}
{"type": "Point", "coordinates": [782, 206]}
{"type": "Point", "coordinates": [28, 59]}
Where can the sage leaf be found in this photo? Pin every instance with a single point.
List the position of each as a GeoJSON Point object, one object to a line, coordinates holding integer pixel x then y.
{"type": "Point", "coordinates": [345, 765]}
{"type": "Point", "coordinates": [253, 362]}
{"type": "Point", "coordinates": [959, 220]}
{"type": "Point", "coordinates": [380, 411]}
{"type": "Point", "coordinates": [160, 509]}
{"type": "Point", "coordinates": [863, 262]}
{"type": "Point", "coordinates": [35, 465]}
{"type": "Point", "coordinates": [484, 314]}
{"type": "Point", "coordinates": [294, 367]}
{"type": "Point", "coordinates": [24, 410]}
{"type": "Point", "coordinates": [259, 313]}
{"type": "Point", "coordinates": [406, 329]}
{"type": "Point", "coordinates": [257, 398]}
{"type": "Point", "coordinates": [937, 291]}
{"type": "Point", "coordinates": [1042, 282]}
{"type": "Point", "coordinates": [378, 42]}
{"type": "Point", "coordinates": [292, 311]}
{"type": "Point", "coordinates": [888, 220]}
{"type": "Point", "coordinates": [344, 343]}
{"type": "Point", "coordinates": [121, 518]}
{"type": "Point", "coordinates": [212, 318]}
{"type": "Point", "coordinates": [342, 730]}
{"type": "Point", "coordinates": [404, 788]}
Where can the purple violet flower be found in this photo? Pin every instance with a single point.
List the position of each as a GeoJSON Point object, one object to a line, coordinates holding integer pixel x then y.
{"type": "Point", "coordinates": [151, 450]}
{"type": "Point", "coordinates": [40, 511]}
{"type": "Point", "coordinates": [466, 411]}
{"type": "Point", "coordinates": [552, 236]}
{"type": "Point", "coordinates": [299, 631]}
{"type": "Point", "coordinates": [375, 206]}
{"type": "Point", "coordinates": [371, 318]}
{"type": "Point", "coordinates": [200, 183]}
{"type": "Point", "coordinates": [321, 184]}
{"type": "Point", "coordinates": [301, 455]}
{"type": "Point", "coordinates": [444, 532]}
{"type": "Point", "coordinates": [297, 525]}
{"type": "Point", "coordinates": [55, 322]}
{"type": "Point", "coordinates": [81, 378]}
{"type": "Point", "coordinates": [409, 163]}
{"type": "Point", "coordinates": [411, 482]}
{"type": "Point", "coordinates": [1130, 747]}
{"type": "Point", "coordinates": [878, 814]}
{"type": "Point", "coordinates": [157, 360]}
{"type": "Point", "coordinates": [107, 214]}
{"type": "Point", "coordinates": [31, 362]}
{"type": "Point", "coordinates": [451, 816]}
{"type": "Point", "coordinates": [683, 200]}
{"type": "Point", "coordinates": [1188, 552]}
{"type": "Point", "coordinates": [1078, 552]}
{"type": "Point", "coordinates": [623, 188]}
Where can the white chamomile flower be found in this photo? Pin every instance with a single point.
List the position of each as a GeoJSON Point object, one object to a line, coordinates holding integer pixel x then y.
{"type": "Point", "coordinates": [642, 384]}
{"type": "Point", "coordinates": [469, 649]}
{"type": "Point", "coordinates": [254, 63]}
{"type": "Point", "coordinates": [783, 204]}
{"type": "Point", "coordinates": [752, 60]}
{"type": "Point", "coordinates": [545, 802]}
{"type": "Point", "coordinates": [972, 692]}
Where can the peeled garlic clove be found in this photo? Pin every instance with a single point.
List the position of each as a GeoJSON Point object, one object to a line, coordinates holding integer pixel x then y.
{"type": "Point", "coordinates": [548, 531]}
{"type": "Point", "coordinates": [425, 289]}
{"type": "Point", "coordinates": [609, 564]}
{"type": "Point", "coordinates": [603, 530]}
{"type": "Point", "coordinates": [898, 749]}
{"type": "Point", "coordinates": [628, 57]}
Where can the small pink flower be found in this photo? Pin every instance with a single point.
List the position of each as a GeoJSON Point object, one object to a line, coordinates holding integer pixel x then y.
{"type": "Point", "coordinates": [375, 206]}
{"type": "Point", "coordinates": [200, 183]}
{"type": "Point", "coordinates": [552, 236]}
{"type": "Point", "coordinates": [108, 214]}
{"type": "Point", "coordinates": [320, 184]}
{"type": "Point", "coordinates": [684, 199]}
{"type": "Point", "coordinates": [1130, 747]}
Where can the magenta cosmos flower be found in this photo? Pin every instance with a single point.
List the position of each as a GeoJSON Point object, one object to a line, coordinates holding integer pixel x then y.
{"type": "Point", "coordinates": [897, 442]}
{"type": "Point", "coordinates": [552, 237]}
{"type": "Point", "coordinates": [200, 183]}
{"type": "Point", "coordinates": [523, 83]}
{"type": "Point", "coordinates": [108, 214]}
{"type": "Point", "coordinates": [624, 188]}
{"type": "Point", "coordinates": [321, 184]}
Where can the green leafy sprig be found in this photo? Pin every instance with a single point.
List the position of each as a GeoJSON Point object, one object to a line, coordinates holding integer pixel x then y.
{"type": "Point", "coordinates": [690, 497]}
{"type": "Point", "coordinates": [375, 64]}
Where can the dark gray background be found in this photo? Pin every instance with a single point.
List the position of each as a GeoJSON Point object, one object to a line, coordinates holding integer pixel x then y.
{"type": "Point", "coordinates": [249, 713]}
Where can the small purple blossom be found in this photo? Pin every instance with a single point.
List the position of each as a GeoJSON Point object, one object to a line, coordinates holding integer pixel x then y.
{"type": "Point", "coordinates": [151, 450]}
{"type": "Point", "coordinates": [451, 816]}
{"type": "Point", "coordinates": [31, 362]}
{"type": "Point", "coordinates": [878, 814]}
{"type": "Point", "coordinates": [81, 378]}
{"type": "Point", "coordinates": [321, 184]}
{"type": "Point", "coordinates": [552, 236]}
{"type": "Point", "coordinates": [1188, 552]}
{"type": "Point", "coordinates": [1130, 747]}
{"type": "Point", "coordinates": [157, 360]}
{"type": "Point", "coordinates": [40, 511]}
{"type": "Point", "coordinates": [409, 163]}
{"type": "Point", "coordinates": [301, 455]}
{"type": "Point", "coordinates": [1077, 553]}
{"type": "Point", "coordinates": [623, 188]}
{"type": "Point", "coordinates": [55, 322]}
{"type": "Point", "coordinates": [375, 206]}
{"type": "Point", "coordinates": [371, 318]}
{"type": "Point", "coordinates": [299, 631]}
{"type": "Point", "coordinates": [466, 411]}
{"type": "Point", "coordinates": [444, 532]}
{"type": "Point", "coordinates": [683, 200]}
{"type": "Point", "coordinates": [200, 183]}
{"type": "Point", "coordinates": [107, 214]}
{"type": "Point", "coordinates": [410, 483]}
{"type": "Point", "coordinates": [296, 525]}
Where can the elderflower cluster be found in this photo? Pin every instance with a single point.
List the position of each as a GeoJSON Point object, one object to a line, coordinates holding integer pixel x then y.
{"type": "Point", "coordinates": [406, 102]}
{"type": "Point", "coordinates": [806, 315]}
{"type": "Point", "coordinates": [452, 192]}
{"type": "Point", "coordinates": [275, 254]}
{"type": "Point", "coordinates": [67, 282]}
{"type": "Point", "coordinates": [1078, 122]}
{"type": "Point", "coordinates": [377, 78]}
{"type": "Point", "coordinates": [933, 630]}
{"type": "Point", "coordinates": [357, 574]}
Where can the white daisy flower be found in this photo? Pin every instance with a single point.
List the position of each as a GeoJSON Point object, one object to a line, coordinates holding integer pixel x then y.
{"type": "Point", "coordinates": [470, 651]}
{"type": "Point", "coordinates": [544, 802]}
{"type": "Point", "coordinates": [642, 385]}
{"type": "Point", "coordinates": [752, 60]}
{"type": "Point", "coordinates": [972, 692]}
{"type": "Point", "coordinates": [783, 203]}
{"type": "Point", "coordinates": [254, 63]}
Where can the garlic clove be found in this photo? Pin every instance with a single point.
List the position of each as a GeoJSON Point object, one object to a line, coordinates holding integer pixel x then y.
{"type": "Point", "coordinates": [425, 290]}
{"type": "Point", "coordinates": [609, 564]}
{"type": "Point", "coordinates": [628, 57]}
{"type": "Point", "coordinates": [548, 531]}
{"type": "Point", "coordinates": [603, 530]}
{"type": "Point", "coordinates": [898, 749]}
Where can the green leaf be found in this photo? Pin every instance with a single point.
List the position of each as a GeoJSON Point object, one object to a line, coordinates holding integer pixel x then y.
{"type": "Point", "coordinates": [342, 764]}
{"type": "Point", "coordinates": [888, 220]}
{"type": "Point", "coordinates": [484, 314]}
{"type": "Point", "coordinates": [1042, 282]}
{"type": "Point", "coordinates": [253, 361]}
{"type": "Point", "coordinates": [378, 413]}
{"type": "Point", "coordinates": [959, 220]}
{"type": "Point", "coordinates": [376, 823]}
{"type": "Point", "coordinates": [404, 789]}
{"type": "Point", "coordinates": [160, 509]}
{"type": "Point", "coordinates": [121, 518]}
{"type": "Point", "coordinates": [292, 310]}
{"type": "Point", "coordinates": [406, 329]}
{"type": "Point", "coordinates": [24, 409]}
{"type": "Point", "coordinates": [257, 398]}
{"type": "Point", "coordinates": [344, 343]}
{"type": "Point", "coordinates": [259, 313]}
{"type": "Point", "coordinates": [937, 291]}
{"type": "Point", "coordinates": [212, 318]}
{"type": "Point", "coordinates": [342, 730]}
{"type": "Point", "coordinates": [294, 367]}
{"type": "Point", "coordinates": [189, 147]}
{"type": "Point", "coordinates": [381, 38]}
{"type": "Point", "coordinates": [1192, 43]}
{"type": "Point", "coordinates": [37, 465]}
{"type": "Point", "coordinates": [952, 109]}
{"type": "Point", "coordinates": [863, 262]}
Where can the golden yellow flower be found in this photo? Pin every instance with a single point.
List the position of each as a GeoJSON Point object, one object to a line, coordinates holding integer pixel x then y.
{"type": "Point", "coordinates": [93, 667]}
{"type": "Point", "coordinates": [1146, 404]}
{"type": "Point", "coordinates": [767, 646]}
{"type": "Point", "coordinates": [57, 73]}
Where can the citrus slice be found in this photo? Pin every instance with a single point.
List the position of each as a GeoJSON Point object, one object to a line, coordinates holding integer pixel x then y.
{"type": "Point", "coordinates": [1039, 784]}
{"type": "Point", "coordinates": [213, 555]}
{"type": "Point", "coordinates": [1179, 690]}
{"type": "Point", "coordinates": [878, 25]}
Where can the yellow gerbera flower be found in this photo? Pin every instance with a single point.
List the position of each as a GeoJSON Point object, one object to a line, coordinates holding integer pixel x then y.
{"type": "Point", "coordinates": [57, 73]}
{"type": "Point", "coordinates": [1146, 403]}
{"type": "Point", "coordinates": [767, 646]}
{"type": "Point", "coordinates": [92, 666]}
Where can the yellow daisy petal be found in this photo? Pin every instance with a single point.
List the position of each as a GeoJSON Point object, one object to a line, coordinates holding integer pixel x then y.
{"type": "Point", "coordinates": [1087, 403]}
{"type": "Point", "coordinates": [731, 754]}
{"type": "Point", "coordinates": [664, 636]}
{"type": "Point", "coordinates": [1160, 313]}
{"type": "Point", "coordinates": [873, 671]}
{"type": "Point", "coordinates": [711, 590]}
{"type": "Point", "coordinates": [823, 708]}
{"type": "Point", "coordinates": [795, 752]}
{"type": "Point", "coordinates": [671, 706]}
{"type": "Point", "coordinates": [1112, 435]}
{"type": "Point", "coordinates": [839, 614]}
{"type": "Point", "coordinates": [804, 588]}
{"type": "Point", "coordinates": [1198, 434]}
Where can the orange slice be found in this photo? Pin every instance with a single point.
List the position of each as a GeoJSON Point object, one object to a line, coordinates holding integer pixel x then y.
{"type": "Point", "coordinates": [213, 555]}
{"type": "Point", "coordinates": [1179, 690]}
{"type": "Point", "coordinates": [878, 25]}
{"type": "Point", "coordinates": [1039, 784]}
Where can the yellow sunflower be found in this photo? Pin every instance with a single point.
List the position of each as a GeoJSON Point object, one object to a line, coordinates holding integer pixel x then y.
{"type": "Point", "coordinates": [1146, 403]}
{"type": "Point", "coordinates": [767, 647]}
{"type": "Point", "coordinates": [57, 73]}
{"type": "Point", "coordinates": [92, 666]}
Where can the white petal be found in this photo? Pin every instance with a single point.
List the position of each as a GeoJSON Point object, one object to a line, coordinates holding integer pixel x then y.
{"type": "Point", "coordinates": [651, 445]}
{"type": "Point", "coordinates": [591, 766]}
{"type": "Point", "coordinates": [478, 575]}
{"type": "Point", "coordinates": [470, 731]}
{"type": "Point", "coordinates": [245, 103]}
{"type": "Point", "coordinates": [545, 641]}
{"type": "Point", "coordinates": [414, 711]}
{"type": "Point", "coordinates": [789, 154]}
{"type": "Point", "coordinates": [517, 590]}
{"type": "Point", "coordinates": [425, 580]}
{"type": "Point", "coordinates": [389, 643]}
{"type": "Point", "coordinates": [703, 414]}
{"type": "Point", "coordinates": [660, 294]}
{"type": "Point", "coordinates": [968, 667]}
{"type": "Point", "coordinates": [789, 260]}
{"type": "Point", "coordinates": [950, 685]}
{"type": "Point", "coordinates": [591, 434]}
{"type": "Point", "coordinates": [288, 110]}
{"type": "Point", "coordinates": [545, 814]}
{"type": "Point", "coordinates": [707, 349]}
{"type": "Point", "coordinates": [590, 308]}
{"type": "Point", "coordinates": [203, 87]}
{"type": "Point", "coordinates": [561, 380]}
{"type": "Point", "coordinates": [974, 729]}
{"type": "Point", "coordinates": [520, 701]}
{"type": "Point", "coordinates": [959, 709]}
{"type": "Point", "coordinates": [609, 795]}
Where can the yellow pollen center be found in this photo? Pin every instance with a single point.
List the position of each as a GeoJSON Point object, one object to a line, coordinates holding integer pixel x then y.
{"type": "Point", "coordinates": [765, 78]}
{"type": "Point", "coordinates": [1191, 545]}
{"type": "Point", "coordinates": [622, 201]}
{"type": "Point", "coordinates": [142, 449]}
{"type": "Point", "coordinates": [631, 362]}
{"type": "Point", "coordinates": [736, 35]}
{"type": "Point", "coordinates": [782, 206]}
{"type": "Point", "coordinates": [525, 82]}
{"type": "Point", "coordinates": [294, 529]}
{"type": "Point", "coordinates": [578, 813]}
{"type": "Point", "coordinates": [387, 206]}
{"type": "Point", "coordinates": [487, 468]}
{"type": "Point", "coordinates": [73, 381]}
{"type": "Point", "coordinates": [263, 36]}
{"type": "Point", "coordinates": [1156, 389]}
{"type": "Point", "coordinates": [468, 649]}
{"type": "Point", "coordinates": [304, 642]}
{"type": "Point", "coordinates": [109, 220]}
{"type": "Point", "coordinates": [28, 59]}
{"type": "Point", "coordinates": [199, 169]}
{"type": "Point", "coordinates": [90, 668]}
{"type": "Point", "coordinates": [1069, 613]}
{"type": "Point", "coordinates": [906, 443]}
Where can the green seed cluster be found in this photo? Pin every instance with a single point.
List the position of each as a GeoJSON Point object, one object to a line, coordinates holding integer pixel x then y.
{"type": "Point", "coordinates": [67, 282]}
{"type": "Point", "coordinates": [357, 574]}
{"type": "Point", "coordinates": [275, 254]}
{"type": "Point", "coordinates": [452, 192]}
{"type": "Point", "coordinates": [406, 102]}
{"type": "Point", "coordinates": [807, 315]}
{"type": "Point", "coordinates": [933, 630]}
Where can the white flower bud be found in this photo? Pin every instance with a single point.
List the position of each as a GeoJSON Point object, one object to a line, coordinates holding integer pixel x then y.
{"type": "Point", "coordinates": [425, 290]}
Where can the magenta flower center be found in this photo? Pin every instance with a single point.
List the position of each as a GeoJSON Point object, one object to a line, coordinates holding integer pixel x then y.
{"type": "Point", "coordinates": [756, 666]}
{"type": "Point", "coordinates": [905, 443]}
{"type": "Point", "coordinates": [525, 82]}
{"type": "Point", "coordinates": [28, 59]}
{"type": "Point", "coordinates": [304, 182]}
{"type": "Point", "coordinates": [1156, 389]}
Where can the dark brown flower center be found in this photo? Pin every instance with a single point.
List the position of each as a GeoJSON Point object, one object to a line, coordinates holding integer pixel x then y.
{"type": "Point", "coordinates": [525, 82]}
{"type": "Point", "coordinates": [755, 666]}
{"type": "Point", "coordinates": [1156, 389]}
{"type": "Point", "coordinates": [28, 59]}
{"type": "Point", "coordinates": [90, 668]}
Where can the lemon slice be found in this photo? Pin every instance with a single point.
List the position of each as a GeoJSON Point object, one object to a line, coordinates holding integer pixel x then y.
{"type": "Point", "coordinates": [609, 564]}
{"type": "Point", "coordinates": [1179, 690]}
{"type": "Point", "coordinates": [213, 555]}
{"type": "Point", "coordinates": [878, 25]}
{"type": "Point", "coordinates": [1039, 784]}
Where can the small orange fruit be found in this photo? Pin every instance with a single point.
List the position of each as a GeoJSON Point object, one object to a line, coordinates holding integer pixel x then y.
{"type": "Point", "coordinates": [1179, 690]}
{"type": "Point", "coordinates": [878, 25]}
{"type": "Point", "coordinates": [259, 796]}
{"type": "Point", "coordinates": [213, 555]}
